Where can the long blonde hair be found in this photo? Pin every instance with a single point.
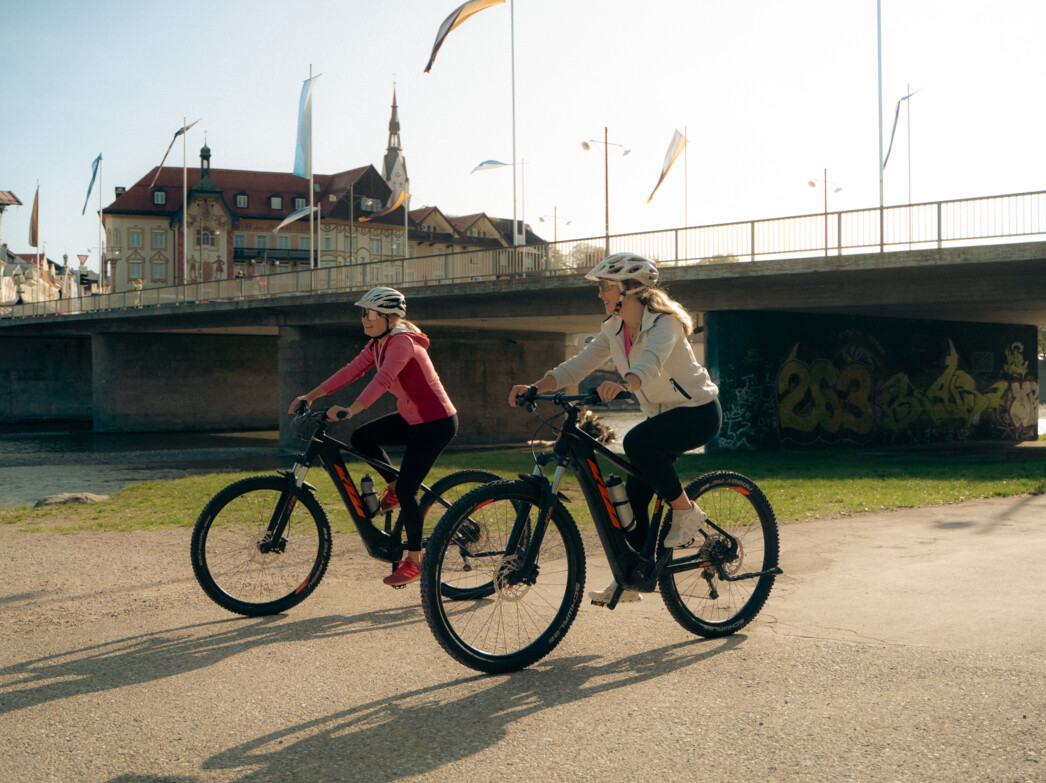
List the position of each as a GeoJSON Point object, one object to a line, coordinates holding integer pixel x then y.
{"type": "Point", "coordinates": [657, 300]}
{"type": "Point", "coordinates": [395, 320]}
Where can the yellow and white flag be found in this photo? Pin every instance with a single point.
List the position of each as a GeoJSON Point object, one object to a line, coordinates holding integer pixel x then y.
{"type": "Point", "coordinates": [675, 147]}
{"type": "Point", "coordinates": [394, 204]}
{"type": "Point", "coordinates": [459, 15]}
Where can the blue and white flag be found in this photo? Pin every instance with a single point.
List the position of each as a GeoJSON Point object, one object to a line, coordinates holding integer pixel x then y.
{"type": "Point", "coordinates": [303, 151]}
{"type": "Point", "coordinates": [896, 114]}
{"type": "Point", "coordinates": [295, 216]}
{"type": "Point", "coordinates": [94, 173]}
{"type": "Point", "coordinates": [487, 165]}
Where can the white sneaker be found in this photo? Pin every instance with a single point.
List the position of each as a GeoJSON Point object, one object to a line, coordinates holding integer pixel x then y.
{"type": "Point", "coordinates": [603, 596]}
{"type": "Point", "coordinates": [685, 525]}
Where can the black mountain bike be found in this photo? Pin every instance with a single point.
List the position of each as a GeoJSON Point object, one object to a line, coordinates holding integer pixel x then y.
{"type": "Point", "coordinates": [527, 573]}
{"type": "Point", "coordinates": [262, 544]}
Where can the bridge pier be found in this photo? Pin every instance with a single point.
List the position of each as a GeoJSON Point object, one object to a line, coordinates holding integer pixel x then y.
{"type": "Point", "coordinates": [167, 382]}
{"type": "Point", "coordinates": [45, 379]}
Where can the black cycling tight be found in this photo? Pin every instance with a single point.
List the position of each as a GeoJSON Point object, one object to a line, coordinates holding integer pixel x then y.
{"type": "Point", "coordinates": [424, 443]}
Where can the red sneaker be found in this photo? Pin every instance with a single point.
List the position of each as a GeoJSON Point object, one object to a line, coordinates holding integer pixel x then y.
{"type": "Point", "coordinates": [389, 500]}
{"type": "Point", "coordinates": [407, 571]}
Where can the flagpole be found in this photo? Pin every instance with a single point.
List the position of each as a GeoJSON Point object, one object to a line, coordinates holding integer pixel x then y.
{"type": "Point", "coordinates": [512, 35]}
{"type": "Point", "coordinates": [101, 251]}
{"type": "Point", "coordinates": [686, 169]}
{"type": "Point", "coordinates": [312, 237]}
{"type": "Point", "coordinates": [879, 50]}
{"type": "Point", "coordinates": [185, 207]}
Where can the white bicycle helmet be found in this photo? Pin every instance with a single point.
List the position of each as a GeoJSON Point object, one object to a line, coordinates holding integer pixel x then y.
{"type": "Point", "coordinates": [385, 300]}
{"type": "Point", "coordinates": [625, 266]}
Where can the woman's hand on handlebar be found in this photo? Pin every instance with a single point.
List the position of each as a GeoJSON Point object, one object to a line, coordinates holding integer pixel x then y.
{"type": "Point", "coordinates": [608, 391]}
{"type": "Point", "coordinates": [336, 412]}
{"type": "Point", "coordinates": [517, 391]}
{"type": "Point", "coordinates": [296, 405]}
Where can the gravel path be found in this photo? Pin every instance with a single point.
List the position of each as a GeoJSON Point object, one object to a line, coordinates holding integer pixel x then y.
{"type": "Point", "coordinates": [905, 646]}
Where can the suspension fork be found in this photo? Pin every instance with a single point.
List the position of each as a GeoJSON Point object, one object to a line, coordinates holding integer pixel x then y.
{"type": "Point", "coordinates": [273, 538]}
{"type": "Point", "coordinates": [549, 495]}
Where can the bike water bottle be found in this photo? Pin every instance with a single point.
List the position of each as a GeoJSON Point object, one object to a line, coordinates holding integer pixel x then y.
{"type": "Point", "coordinates": [619, 498]}
{"type": "Point", "coordinates": [370, 500]}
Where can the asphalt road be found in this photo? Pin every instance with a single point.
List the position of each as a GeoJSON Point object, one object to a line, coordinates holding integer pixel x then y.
{"type": "Point", "coordinates": [905, 646]}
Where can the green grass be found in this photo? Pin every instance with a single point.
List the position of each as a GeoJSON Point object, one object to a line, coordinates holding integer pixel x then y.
{"type": "Point", "coordinates": [799, 485]}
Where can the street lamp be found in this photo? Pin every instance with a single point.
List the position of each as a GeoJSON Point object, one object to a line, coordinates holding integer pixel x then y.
{"type": "Point", "coordinates": [824, 183]}
{"type": "Point", "coordinates": [587, 145]}
{"type": "Point", "coordinates": [555, 223]}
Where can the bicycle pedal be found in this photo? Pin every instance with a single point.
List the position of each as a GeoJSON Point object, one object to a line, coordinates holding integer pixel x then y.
{"type": "Point", "coordinates": [397, 587]}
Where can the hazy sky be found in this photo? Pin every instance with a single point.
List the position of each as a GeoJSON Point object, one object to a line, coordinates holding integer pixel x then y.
{"type": "Point", "coordinates": [770, 93]}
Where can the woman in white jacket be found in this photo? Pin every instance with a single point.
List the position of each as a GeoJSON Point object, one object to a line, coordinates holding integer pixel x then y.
{"type": "Point", "coordinates": [645, 335]}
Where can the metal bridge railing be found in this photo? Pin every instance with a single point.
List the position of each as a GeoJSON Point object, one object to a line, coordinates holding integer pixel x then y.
{"type": "Point", "coordinates": [934, 224]}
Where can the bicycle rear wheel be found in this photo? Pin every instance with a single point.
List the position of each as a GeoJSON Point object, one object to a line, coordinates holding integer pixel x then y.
{"type": "Point", "coordinates": [235, 565]}
{"type": "Point", "coordinates": [698, 599]}
{"type": "Point", "coordinates": [451, 488]}
{"type": "Point", "coordinates": [484, 608]}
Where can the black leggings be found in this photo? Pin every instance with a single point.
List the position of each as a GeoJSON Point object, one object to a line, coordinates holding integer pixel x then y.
{"type": "Point", "coordinates": [652, 446]}
{"type": "Point", "coordinates": [424, 443]}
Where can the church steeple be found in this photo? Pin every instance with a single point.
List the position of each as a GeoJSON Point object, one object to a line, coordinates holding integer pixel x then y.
{"type": "Point", "coordinates": [394, 168]}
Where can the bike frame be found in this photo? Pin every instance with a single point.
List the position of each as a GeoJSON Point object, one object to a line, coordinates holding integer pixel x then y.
{"type": "Point", "coordinates": [577, 450]}
{"type": "Point", "coordinates": [380, 544]}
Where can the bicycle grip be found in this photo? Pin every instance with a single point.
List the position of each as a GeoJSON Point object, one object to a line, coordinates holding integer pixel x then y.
{"type": "Point", "coordinates": [342, 414]}
{"type": "Point", "coordinates": [301, 408]}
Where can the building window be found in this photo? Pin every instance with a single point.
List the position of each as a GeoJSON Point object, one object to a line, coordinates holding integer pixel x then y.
{"type": "Point", "coordinates": [349, 244]}
{"type": "Point", "coordinates": [327, 243]}
{"type": "Point", "coordinates": [116, 237]}
{"type": "Point", "coordinates": [261, 242]}
{"type": "Point", "coordinates": [159, 197]}
{"type": "Point", "coordinates": [299, 203]}
{"type": "Point", "coordinates": [275, 202]}
{"type": "Point", "coordinates": [134, 237]}
{"type": "Point", "coordinates": [205, 237]}
{"type": "Point", "coordinates": [241, 200]}
{"type": "Point", "coordinates": [283, 242]}
{"type": "Point", "coordinates": [134, 270]}
{"type": "Point", "coordinates": [159, 240]}
{"type": "Point", "coordinates": [375, 246]}
{"type": "Point", "coordinates": [304, 243]}
{"type": "Point", "coordinates": [159, 271]}
{"type": "Point", "coordinates": [239, 241]}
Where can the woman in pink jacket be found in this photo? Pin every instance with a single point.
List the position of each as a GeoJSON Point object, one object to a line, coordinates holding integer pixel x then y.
{"type": "Point", "coordinates": [425, 421]}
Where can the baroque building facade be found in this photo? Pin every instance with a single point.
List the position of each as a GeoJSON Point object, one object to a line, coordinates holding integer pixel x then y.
{"type": "Point", "coordinates": [227, 227]}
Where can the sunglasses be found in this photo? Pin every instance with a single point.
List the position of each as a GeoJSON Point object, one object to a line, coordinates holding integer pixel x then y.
{"type": "Point", "coordinates": [368, 314]}
{"type": "Point", "coordinates": [606, 285]}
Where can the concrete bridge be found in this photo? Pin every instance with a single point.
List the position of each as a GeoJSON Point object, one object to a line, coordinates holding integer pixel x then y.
{"type": "Point", "coordinates": [234, 363]}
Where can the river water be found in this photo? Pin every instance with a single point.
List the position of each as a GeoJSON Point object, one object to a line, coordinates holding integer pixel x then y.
{"type": "Point", "coordinates": [37, 461]}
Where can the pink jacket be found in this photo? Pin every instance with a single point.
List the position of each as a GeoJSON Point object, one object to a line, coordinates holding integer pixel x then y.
{"type": "Point", "coordinates": [404, 368]}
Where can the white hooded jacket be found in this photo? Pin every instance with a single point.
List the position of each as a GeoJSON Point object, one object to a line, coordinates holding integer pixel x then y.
{"type": "Point", "coordinates": [660, 357]}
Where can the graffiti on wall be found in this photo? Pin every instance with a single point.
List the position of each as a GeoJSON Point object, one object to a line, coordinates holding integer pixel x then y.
{"type": "Point", "coordinates": [748, 419]}
{"type": "Point", "coordinates": [831, 401]}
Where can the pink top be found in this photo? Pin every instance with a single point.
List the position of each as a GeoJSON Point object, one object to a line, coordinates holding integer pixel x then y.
{"type": "Point", "coordinates": [405, 369]}
{"type": "Point", "coordinates": [628, 342]}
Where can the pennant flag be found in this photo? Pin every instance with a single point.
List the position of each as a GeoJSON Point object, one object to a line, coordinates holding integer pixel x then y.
{"type": "Point", "coordinates": [177, 133]}
{"type": "Point", "coordinates": [394, 205]}
{"type": "Point", "coordinates": [896, 114]}
{"type": "Point", "coordinates": [487, 165]}
{"type": "Point", "coordinates": [675, 147]}
{"type": "Point", "coordinates": [295, 216]}
{"type": "Point", "coordinates": [303, 150]}
{"type": "Point", "coordinates": [94, 173]}
{"type": "Point", "coordinates": [34, 221]}
{"type": "Point", "coordinates": [459, 15]}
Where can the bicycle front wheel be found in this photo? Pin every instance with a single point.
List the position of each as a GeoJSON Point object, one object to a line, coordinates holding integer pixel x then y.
{"type": "Point", "coordinates": [486, 607]}
{"type": "Point", "coordinates": [235, 563]}
{"type": "Point", "coordinates": [698, 598]}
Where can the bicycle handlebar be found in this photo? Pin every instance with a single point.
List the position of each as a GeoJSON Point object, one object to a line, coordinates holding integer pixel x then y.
{"type": "Point", "coordinates": [317, 415]}
{"type": "Point", "coordinates": [528, 398]}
